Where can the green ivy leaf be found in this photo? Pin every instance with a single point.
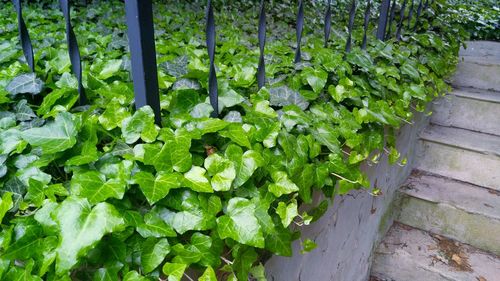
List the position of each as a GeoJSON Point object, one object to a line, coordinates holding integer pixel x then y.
{"type": "Point", "coordinates": [114, 114]}
{"type": "Point", "coordinates": [287, 212]}
{"type": "Point", "coordinates": [134, 276]}
{"type": "Point", "coordinates": [173, 155]}
{"type": "Point", "coordinates": [283, 96]}
{"type": "Point", "coordinates": [55, 136]}
{"type": "Point", "coordinates": [315, 77]}
{"type": "Point", "coordinates": [140, 125]}
{"type": "Point", "coordinates": [67, 81]}
{"type": "Point", "coordinates": [410, 70]}
{"type": "Point", "coordinates": [94, 186]}
{"type": "Point", "coordinates": [22, 274]}
{"type": "Point", "coordinates": [243, 262]}
{"type": "Point", "coordinates": [25, 84]}
{"type": "Point", "coordinates": [156, 188]}
{"type": "Point", "coordinates": [153, 253]}
{"type": "Point", "coordinates": [240, 223]}
{"type": "Point", "coordinates": [153, 226]}
{"type": "Point", "coordinates": [197, 180]}
{"type": "Point", "coordinates": [236, 133]}
{"type": "Point", "coordinates": [307, 246]}
{"type": "Point", "coordinates": [208, 275]}
{"type": "Point", "coordinates": [174, 271]}
{"type": "Point", "coordinates": [221, 170]}
{"type": "Point", "coordinates": [81, 227]}
{"type": "Point", "coordinates": [5, 204]}
{"type": "Point", "coordinates": [110, 68]}
{"type": "Point", "coordinates": [244, 163]}
{"type": "Point", "coordinates": [282, 184]}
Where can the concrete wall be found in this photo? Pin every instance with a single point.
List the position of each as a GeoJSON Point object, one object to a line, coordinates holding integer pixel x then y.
{"type": "Point", "coordinates": [347, 234]}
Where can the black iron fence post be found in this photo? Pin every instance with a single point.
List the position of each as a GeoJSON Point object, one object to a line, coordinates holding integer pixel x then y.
{"type": "Point", "coordinates": [382, 21]}
{"type": "Point", "coordinates": [74, 52]}
{"type": "Point", "coordinates": [328, 22]}
{"type": "Point", "coordinates": [419, 11]}
{"type": "Point", "coordinates": [299, 28]}
{"type": "Point", "coordinates": [401, 18]}
{"type": "Point", "coordinates": [352, 13]}
{"type": "Point", "coordinates": [139, 14]}
{"type": "Point", "coordinates": [391, 19]}
{"type": "Point", "coordinates": [410, 13]}
{"type": "Point", "coordinates": [24, 36]}
{"type": "Point", "coordinates": [366, 24]}
{"type": "Point", "coordinates": [261, 70]}
{"type": "Point", "coordinates": [212, 76]}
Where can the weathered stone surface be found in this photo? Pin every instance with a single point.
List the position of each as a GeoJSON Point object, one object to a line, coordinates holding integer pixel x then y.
{"type": "Point", "coordinates": [482, 143]}
{"type": "Point", "coordinates": [479, 66]}
{"type": "Point", "coordinates": [470, 109]}
{"type": "Point", "coordinates": [462, 155]}
{"type": "Point", "coordinates": [464, 212]}
{"type": "Point", "coordinates": [409, 254]}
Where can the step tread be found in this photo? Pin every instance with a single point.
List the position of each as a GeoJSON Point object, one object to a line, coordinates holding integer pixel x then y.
{"type": "Point", "coordinates": [476, 94]}
{"type": "Point", "coordinates": [408, 254]}
{"type": "Point", "coordinates": [462, 138]}
{"type": "Point", "coordinates": [467, 197]}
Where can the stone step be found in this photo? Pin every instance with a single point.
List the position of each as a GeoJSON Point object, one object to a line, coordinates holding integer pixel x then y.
{"type": "Point", "coordinates": [409, 254]}
{"type": "Point", "coordinates": [461, 211]}
{"type": "Point", "coordinates": [479, 66]}
{"type": "Point", "coordinates": [469, 108]}
{"type": "Point", "coordinates": [460, 154]}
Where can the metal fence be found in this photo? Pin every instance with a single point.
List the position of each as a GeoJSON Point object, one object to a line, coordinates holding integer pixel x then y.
{"type": "Point", "coordinates": [139, 19]}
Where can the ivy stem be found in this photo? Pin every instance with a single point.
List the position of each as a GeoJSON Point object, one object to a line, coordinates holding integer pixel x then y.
{"type": "Point", "coordinates": [404, 120]}
{"type": "Point", "coordinates": [226, 260]}
{"type": "Point", "coordinates": [188, 277]}
{"type": "Point", "coordinates": [342, 178]}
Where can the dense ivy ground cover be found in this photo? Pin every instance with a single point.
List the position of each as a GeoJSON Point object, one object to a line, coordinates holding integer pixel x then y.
{"type": "Point", "coordinates": [99, 192]}
{"type": "Point", "coordinates": [481, 18]}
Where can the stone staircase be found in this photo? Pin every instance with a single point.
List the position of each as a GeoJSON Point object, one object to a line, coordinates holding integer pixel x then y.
{"type": "Point", "coordinates": [447, 225]}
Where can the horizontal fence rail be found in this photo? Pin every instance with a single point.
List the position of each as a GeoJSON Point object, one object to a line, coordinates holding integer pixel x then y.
{"type": "Point", "coordinates": [140, 31]}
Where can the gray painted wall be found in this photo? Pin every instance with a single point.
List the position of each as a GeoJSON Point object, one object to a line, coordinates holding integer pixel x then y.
{"type": "Point", "coordinates": [349, 231]}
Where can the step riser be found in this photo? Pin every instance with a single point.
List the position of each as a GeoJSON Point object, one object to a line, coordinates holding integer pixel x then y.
{"type": "Point", "coordinates": [471, 114]}
{"type": "Point", "coordinates": [473, 229]}
{"type": "Point", "coordinates": [456, 163]}
{"type": "Point", "coordinates": [479, 75]}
